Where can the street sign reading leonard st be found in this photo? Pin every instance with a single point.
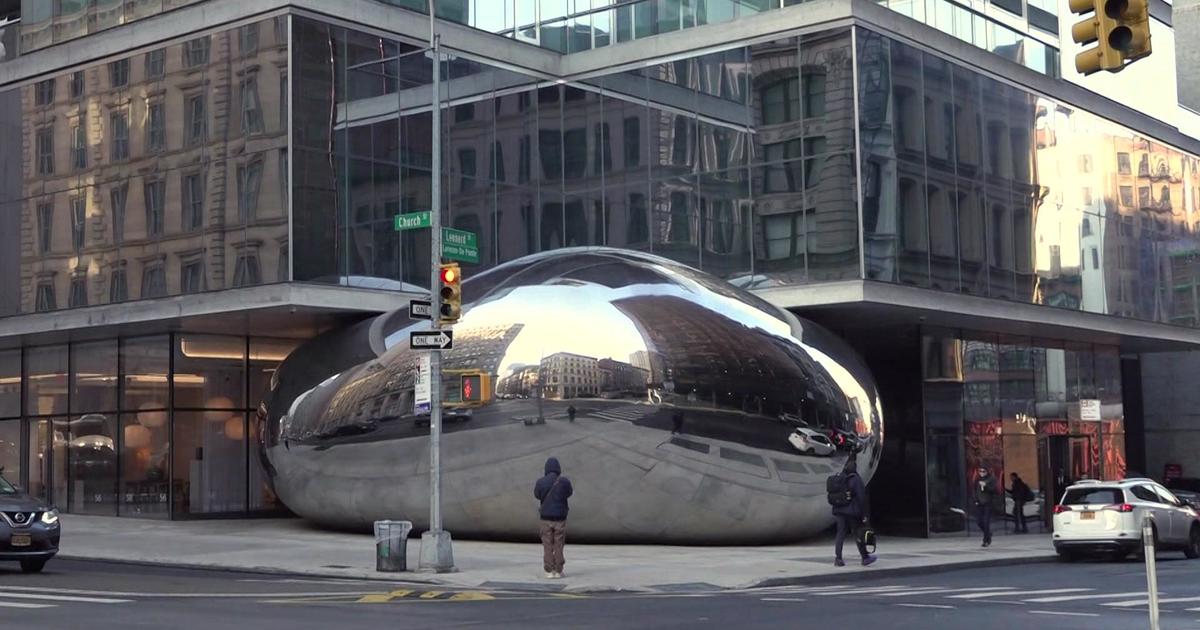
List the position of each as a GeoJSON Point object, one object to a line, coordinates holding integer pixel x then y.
{"type": "Point", "coordinates": [413, 221]}
{"type": "Point", "coordinates": [460, 245]}
{"type": "Point", "coordinates": [431, 340]}
{"type": "Point", "coordinates": [420, 309]}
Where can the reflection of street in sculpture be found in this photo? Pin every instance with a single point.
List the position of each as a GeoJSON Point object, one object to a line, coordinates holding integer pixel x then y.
{"type": "Point", "coordinates": [698, 412]}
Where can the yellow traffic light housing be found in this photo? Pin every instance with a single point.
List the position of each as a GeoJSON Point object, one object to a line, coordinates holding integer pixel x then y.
{"type": "Point", "coordinates": [1120, 28]}
{"type": "Point", "coordinates": [451, 293]}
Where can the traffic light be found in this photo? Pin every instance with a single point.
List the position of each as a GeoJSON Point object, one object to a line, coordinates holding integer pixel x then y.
{"type": "Point", "coordinates": [472, 387]}
{"type": "Point", "coordinates": [1120, 28]}
{"type": "Point", "coordinates": [451, 292]}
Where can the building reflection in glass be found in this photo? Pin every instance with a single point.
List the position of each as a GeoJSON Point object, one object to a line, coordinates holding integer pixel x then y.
{"type": "Point", "coordinates": [697, 411]}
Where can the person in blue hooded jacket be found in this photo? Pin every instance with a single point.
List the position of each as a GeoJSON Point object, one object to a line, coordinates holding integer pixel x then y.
{"type": "Point", "coordinates": [852, 516]}
{"type": "Point", "coordinates": [553, 490]}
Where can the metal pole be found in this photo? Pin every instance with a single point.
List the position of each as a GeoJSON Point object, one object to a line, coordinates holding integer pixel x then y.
{"type": "Point", "coordinates": [1151, 573]}
{"type": "Point", "coordinates": [436, 554]}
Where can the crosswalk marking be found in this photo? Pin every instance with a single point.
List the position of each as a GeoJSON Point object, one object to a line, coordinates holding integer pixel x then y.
{"type": "Point", "coordinates": [66, 598]}
{"type": "Point", "coordinates": [23, 605]}
{"type": "Point", "coordinates": [866, 591]}
{"type": "Point", "coordinates": [1072, 598]}
{"type": "Point", "coordinates": [1142, 602]}
{"type": "Point", "coordinates": [942, 591]}
{"type": "Point", "coordinates": [944, 606]}
{"type": "Point", "coordinates": [1049, 591]}
{"type": "Point", "coordinates": [1062, 613]}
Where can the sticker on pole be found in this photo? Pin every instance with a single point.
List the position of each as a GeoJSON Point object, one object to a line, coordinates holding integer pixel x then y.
{"type": "Point", "coordinates": [431, 340]}
{"type": "Point", "coordinates": [422, 388]}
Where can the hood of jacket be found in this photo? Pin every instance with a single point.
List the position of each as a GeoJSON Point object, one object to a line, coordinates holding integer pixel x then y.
{"type": "Point", "coordinates": [552, 466]}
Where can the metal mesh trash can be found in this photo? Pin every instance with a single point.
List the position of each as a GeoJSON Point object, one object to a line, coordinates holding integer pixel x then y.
{"type": "Point", "coordinates": [391, 545]}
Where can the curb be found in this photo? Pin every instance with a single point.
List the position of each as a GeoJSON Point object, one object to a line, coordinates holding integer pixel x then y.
{"type": "Point", "coordinates": [860, 575]}
{"type": "Point", "coordinates": [174, 564]}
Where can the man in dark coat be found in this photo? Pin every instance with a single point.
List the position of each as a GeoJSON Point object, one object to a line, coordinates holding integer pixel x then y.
{"type": "Point", "coordinates": [1021, 495]}
{"type": "Point", "coordinates": [553, 490]}
{"type": "Point", "coordinates": [852, 516]}
{"type": "Point", "coordinates": [984, 494]}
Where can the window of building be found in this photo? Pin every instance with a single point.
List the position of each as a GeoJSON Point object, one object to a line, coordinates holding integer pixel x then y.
{"type": "Point", "coordinates": [75, 84]}
{"type": "Point", "coordinates": [118, 73]}
{"type": "Point", "coordinates": [155, 195]}
{"type": "Point", "coordinates": [156, 64]}
{"type": "Point", "coordinates": [44, 92]}
{"type": "Point", "coordinates": [283, 101]}
{"type": "Point", "coordinates": [246, 271]}
{"type": "Point", "coordinates": [156, 127]}
{"type": "Point", "coordinates": [812, 165]}
{"type": "Point", "coordinates": [195, 119]}
{"type": "Point", "coordinates": [45, 150]}
{"type": "Point", "coordinates": [550, 151]}
{"type": "Point", "coordinates": [523, 157]}
{"type": "Point", "coordinates": [1085, 164]}
{"type": "Point", "coordinates": [781, 174]}
{"type": "Point", "coordinates": [784, 235]}
{"type": "Point", "coordinates": [466, 169]}
{"type": "Point", "coordinates": [192, 197]}
{"type": "Point", "coordinates": [195, 52]}
{"type": "Point", "coordinates": [78, 222]}
{"type": "Point", "coordinates": [1164, 200]}
{"type": "Point", "coordinates": [45, 296]}
{"type": "Point", "coordinates": [119, 128]}
{"type": "Point", "coordinates": [575, 150]}
{"type": "Point", "coordinates": [1144, 165]}
{"type": "Point", "coordinates": [45, 215]}
{"type": "Point", "coordinates": [1123, 164]}
{"type": "Point", "coordinates": [154, 280]}
{"type": "Point", "coordinates": [191, 276]}
{"type": "Point", "coordinates": [79, 143]}
{"type": "Point", "coordinates": [1087, 197]}
{"type": "Point", "coordinates": [1086, 227]}
{"type": "Point", "coordinates": [602, 152]}
{"type": "Point", "coordinates": [638, 230]}
{"type": "Point", "coordinates": [633, 141]}
{"type": "Point", "coordinates": [814, 94]}
{"type": "Point", "coordinates": [283, 178]}
{"type": "Point", "coordinates": [281, 268]}
{"type": "Point", "coordinates": [1095, 258]}
{"type": "Point", "coordinates": [118, 284]}
{"type": "Point", "coordinates": [252, 118]}
{"type": "Point", "coordinates": [780, 101]}
{"type": "Point", "coordinates": [248, 39]}
{"type": "Point", "coordinates": [464, 113]}
{"type": "Point", "coordinates": [1127, 196]}
{"type": "Point", "coordinates": [78, 296]}
{"type": "Point", "coordinates": [497, 162]}
{"type": "Point", "coordinates": [249, 183]}
{"type": "Point", "coordinates": [279, 25]}
{"type": "Point", "coordinates": [1144, 196]}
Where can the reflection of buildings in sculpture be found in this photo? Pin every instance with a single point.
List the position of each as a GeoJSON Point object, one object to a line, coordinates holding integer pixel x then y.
{"type": "Point", "coordinates": [481, 349]}
{"type": "Point", "coordinates": [620, 377]}
{"type": "Point", "coordinates": [521, 381]}
{"type": "Point", "coordinates": [157, 174]}
{"type": "Point", "coordinates": [569, 375]}
{"type": "Point", "coordinates": [651, 362]}
{"type": "Point", "coordinates": [714, 360]}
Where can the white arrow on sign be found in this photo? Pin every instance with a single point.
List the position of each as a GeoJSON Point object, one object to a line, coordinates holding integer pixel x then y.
{"type": "Point", "coordinates": [431, 340]}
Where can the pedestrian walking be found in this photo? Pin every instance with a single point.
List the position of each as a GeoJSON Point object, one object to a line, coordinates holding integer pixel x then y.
{"type": "Point", "coordinates": [571, 413]}
{"type": "Point", "coordinates": [1021, 495]}
{"type": "Point", "coordinates": [553, 490]}
{"type": "Point", "coordinates": [848, 496]}
{"type": "Point", "coordinates": [983, 494]}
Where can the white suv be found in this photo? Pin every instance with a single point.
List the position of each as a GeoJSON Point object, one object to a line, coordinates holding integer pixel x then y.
{"type": "Point", "coordinates": [1106, 516]}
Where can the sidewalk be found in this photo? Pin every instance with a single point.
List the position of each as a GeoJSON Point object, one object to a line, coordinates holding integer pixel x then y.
{"type": "Point", "coordinates": [288, 546]}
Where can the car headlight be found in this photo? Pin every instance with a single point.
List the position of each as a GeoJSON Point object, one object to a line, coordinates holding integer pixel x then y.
{"type": "Point", "coordinates": [50, 517]}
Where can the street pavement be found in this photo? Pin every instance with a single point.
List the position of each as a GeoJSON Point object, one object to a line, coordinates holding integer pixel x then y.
{"type": "Point", "coordinates": [1092, 595]}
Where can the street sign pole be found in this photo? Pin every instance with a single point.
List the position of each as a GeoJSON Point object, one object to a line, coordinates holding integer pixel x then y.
{"type": "Point", "coordinates": [436, 552]}
{"type": "Point", "coordinates": [1148, 549]}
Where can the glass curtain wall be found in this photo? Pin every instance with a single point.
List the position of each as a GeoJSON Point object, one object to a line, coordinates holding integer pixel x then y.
{"type": "Point", "coordinates": [740, 163]}
{"type": "Point", "coordinates": [148, 176]}
{"type": "Point", "coordinates": [1012, 405]}
{"type": "Point", "coordinates": [155, 427]}
{"type": "Point", "coordinates": [975, 186]}
{"type": "Point", "coordinates": [46, 22]}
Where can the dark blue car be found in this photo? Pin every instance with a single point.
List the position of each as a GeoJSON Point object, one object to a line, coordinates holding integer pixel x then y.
{"type": "Point", "coordinates": [29, 528]}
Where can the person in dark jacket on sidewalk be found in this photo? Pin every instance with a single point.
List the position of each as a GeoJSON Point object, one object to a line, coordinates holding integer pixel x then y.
{"type": "Point", "coordinates": [1021, 495]}
{"type": "Point", "coordinates": [984, 495]}
{"type": "Point", "coordinates": [852, 516]}
{"type": "Point", "coordinates": [553, 490]}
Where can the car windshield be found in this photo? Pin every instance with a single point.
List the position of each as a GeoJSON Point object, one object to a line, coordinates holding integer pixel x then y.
{"type": "Point", "coordinates": [5, 487]}
{"type": "Point", "coordinates": [1093, 496]}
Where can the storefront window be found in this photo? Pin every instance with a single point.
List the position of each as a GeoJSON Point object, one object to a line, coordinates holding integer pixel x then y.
{"type": "Point", "coordinates": [210, 462]}
{"type": "Point", "coordinates": [10, 383]}
{"type": "Point", "coordinates": [10, 450]}
{"type": "Point", "coordinates": [210, 372]}
{"type": "Point", "coordinates": [46, 385]}
{"type": "Point", "coordinates": [145, 464]}
{"type": "Point", "coordinates": [147, 364]}
{"type": "Point", "coordinates": [94, 376]}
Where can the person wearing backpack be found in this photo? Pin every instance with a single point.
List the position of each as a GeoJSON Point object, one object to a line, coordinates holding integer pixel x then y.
{"type": "Point", "coordinates": [1021, 495]}
{"type": "Point", "coordinates": [848, 496]}
{"type": "Point", "coordinates": [553, 490]}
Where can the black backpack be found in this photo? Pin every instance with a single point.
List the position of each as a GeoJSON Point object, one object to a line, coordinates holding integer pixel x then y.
{"type": "Point", "coordinates": [837, 487]}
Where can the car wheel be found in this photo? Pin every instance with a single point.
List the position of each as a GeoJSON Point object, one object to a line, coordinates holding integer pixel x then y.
{"type": "Point", "coordinates": [1067, 556]}
{"type": "Point", "coordinates": [809, 451]}
{"type": "Point", "coordinates": [1192, 550]}
{"type": "Point", "coordinates": [33, 566]}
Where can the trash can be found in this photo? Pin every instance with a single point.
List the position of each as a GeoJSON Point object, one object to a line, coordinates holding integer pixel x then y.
{"type": "Point", "coordinates": [391, 545]}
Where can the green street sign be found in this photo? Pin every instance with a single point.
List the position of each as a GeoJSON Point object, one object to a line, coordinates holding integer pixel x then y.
{"type": "Point", "coordinates": [462, 238]}
{"type": "Point", "coordinates": [413, 221]}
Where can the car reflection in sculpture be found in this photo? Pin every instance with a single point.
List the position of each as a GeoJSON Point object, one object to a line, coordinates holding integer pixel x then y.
{"type": "Point", "coordinates": [687, 391]}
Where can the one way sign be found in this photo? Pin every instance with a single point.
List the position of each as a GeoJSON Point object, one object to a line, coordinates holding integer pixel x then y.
{"type": "Point", "coordinates": [431, 340]}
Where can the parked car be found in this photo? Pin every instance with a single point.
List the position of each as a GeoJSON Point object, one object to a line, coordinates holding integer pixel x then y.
{"type": "Point", "coordinates": [811, 442]}
{"type": "Point", "coordinates": [29, 528]}
{"type": "Point", "coordinates": [1106, 517]}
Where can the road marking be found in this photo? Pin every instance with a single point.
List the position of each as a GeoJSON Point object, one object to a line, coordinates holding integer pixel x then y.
{"type": "Point", "coordinates": [67, 598]}
{"type": "Point", "coordinates": [942, 606]}
{"type": "Point", "coordinates": [938, 591]}
{"type": "Point", "coordinates": [1142, 602]}
{"type": "Point", "coordinates": [782, 599]}
{"type": "Point", "coordinates": [864, 591]}
{"type": "Point", "coordinates": [1062, 614]}
{"type": "Point", "coordinates": [1072, 598]}
{"type": "Point", "coordinates": [24, 605]}
{"type": "Point", "coordinates": [1050, 591]}
{"type": "Point", "coordinates": [71, 591]}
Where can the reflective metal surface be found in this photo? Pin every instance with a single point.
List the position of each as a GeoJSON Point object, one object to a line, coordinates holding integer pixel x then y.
{"type": "Point", "coordinates": [682, 408]}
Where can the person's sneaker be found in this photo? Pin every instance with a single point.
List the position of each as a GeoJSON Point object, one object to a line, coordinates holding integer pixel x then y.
{"type": "Point", "coordinates": [869, 560]}
{"type": "Point", "coordinates": [556, 575]}
{"type": "Point", "coordinates": [560, 574]}
{"type": "Point", "coordinates": [549, 575]}
{"type": "Point", "coordinates": [838, 562]}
